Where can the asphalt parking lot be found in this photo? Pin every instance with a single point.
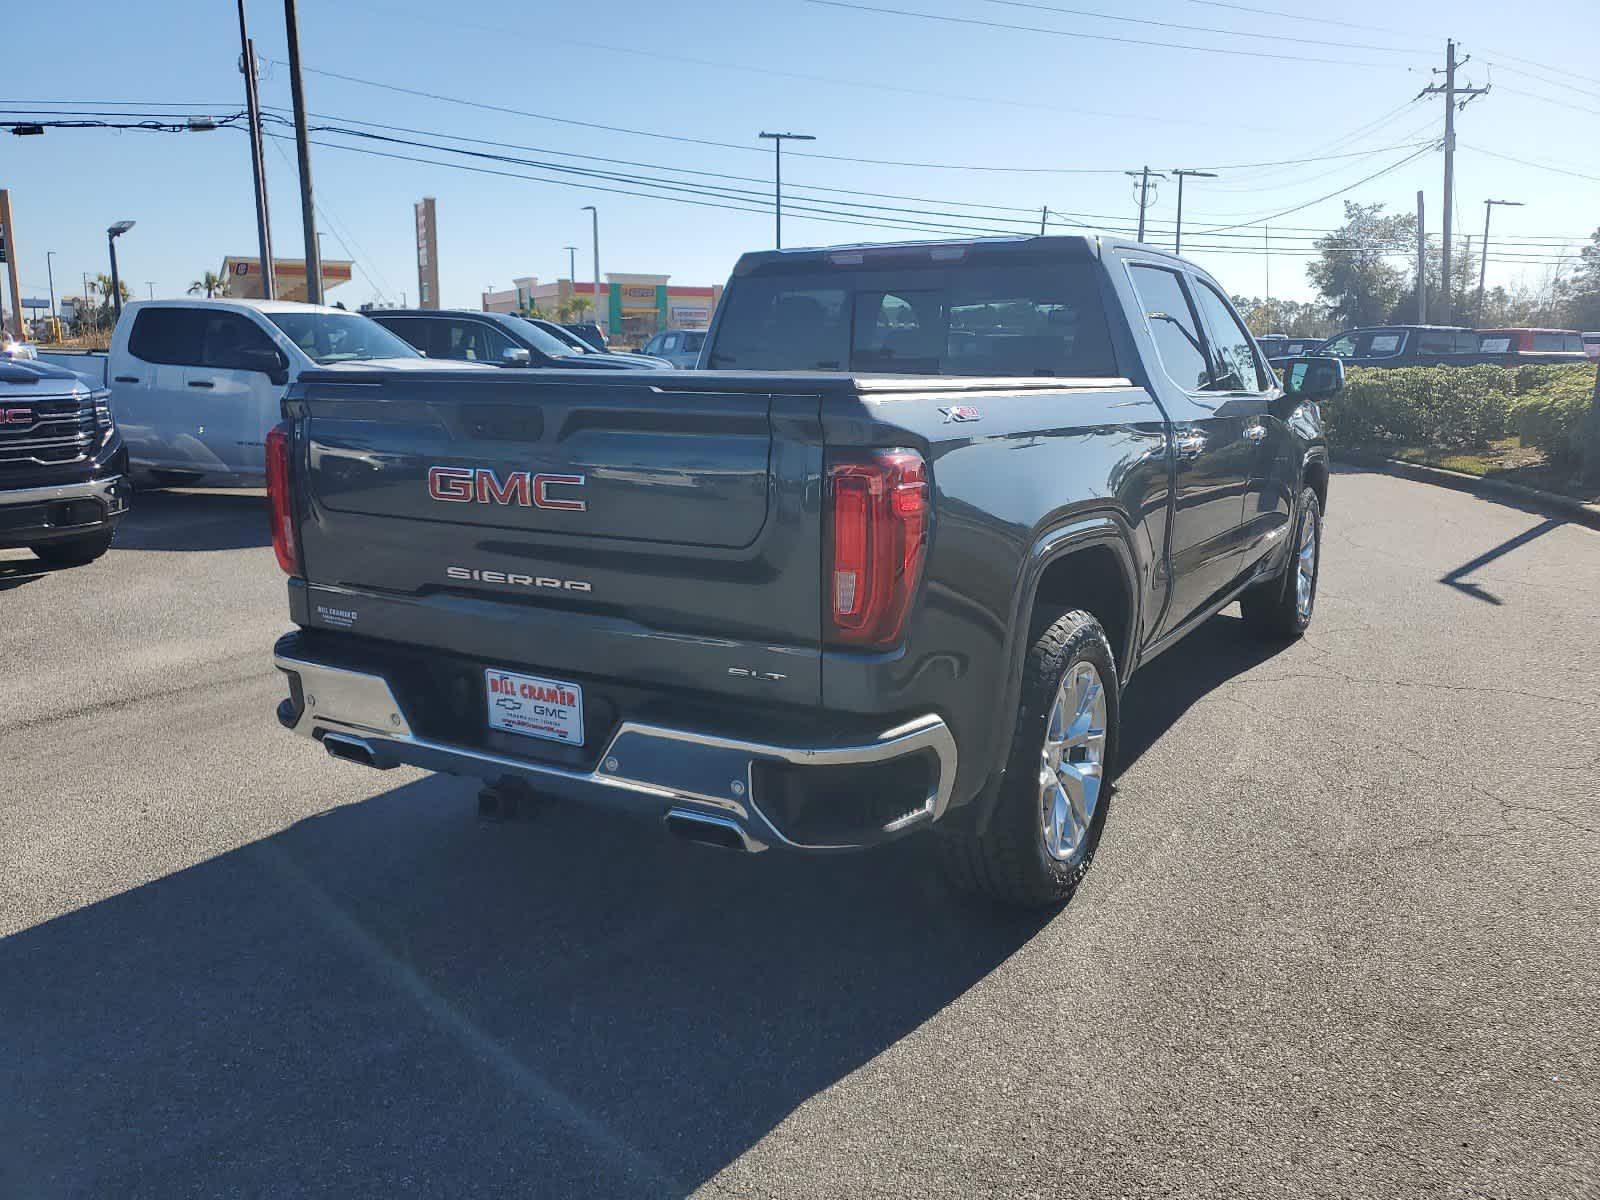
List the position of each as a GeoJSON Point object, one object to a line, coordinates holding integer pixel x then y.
{"type": "Point", "coordinates": [1342, 937]}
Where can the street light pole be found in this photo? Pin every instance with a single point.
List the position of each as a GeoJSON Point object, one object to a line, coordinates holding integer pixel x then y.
{"type": "Point", "coordinates": [572, 263]}
{"type": "Point", "coordinates": [1177, 235]}
{"type": "Point", "coordinates": [308, 210]}
{"type": "Point", "coordinates": [777, 140]}
{"type": "Point", "coordinates": [112, 234]}
{"type": "Point", "coordinates": [50, 270]}
{"type": "Point", "coordinates": [595, 213]}
{"type": "Point", "coordinates": [1483, 267]}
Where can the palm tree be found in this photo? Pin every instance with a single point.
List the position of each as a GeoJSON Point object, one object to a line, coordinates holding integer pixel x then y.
{"type": "Point", "coordinates": [210, 283]}
{"type": "Point", "coordinates": [572, 310]}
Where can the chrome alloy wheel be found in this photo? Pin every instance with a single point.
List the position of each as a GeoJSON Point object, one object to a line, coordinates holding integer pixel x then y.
{"type": "Point", "coordinates": [1305, 567]}
{"type": "Point", "coordinates": [1072, 762]}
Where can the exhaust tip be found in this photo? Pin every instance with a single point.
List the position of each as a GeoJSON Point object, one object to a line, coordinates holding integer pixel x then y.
{"type": "Point", "coordinates": [711, 830]}
{"type": "Point", "coordinates": [348, 748]}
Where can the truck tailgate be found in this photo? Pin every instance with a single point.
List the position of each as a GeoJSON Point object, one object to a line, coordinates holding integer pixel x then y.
{"type": "Point", "coordinates": [596, 527]}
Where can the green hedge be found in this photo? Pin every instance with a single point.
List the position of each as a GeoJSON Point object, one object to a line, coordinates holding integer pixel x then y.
{"type": "Point", "coordinates": [1553, 411]}
{"type": "Point", "coordinates": [1462, 408]}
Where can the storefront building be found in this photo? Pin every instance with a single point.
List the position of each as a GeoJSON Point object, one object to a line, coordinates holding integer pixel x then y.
{"type": "Point", "coordinates": [633, 308]}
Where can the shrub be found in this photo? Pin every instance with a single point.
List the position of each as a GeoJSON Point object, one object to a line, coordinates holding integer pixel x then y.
{"type": "Point", "coordinates": [1455, 407]}
{"type": "Point", "coordinates": [1552, 413]}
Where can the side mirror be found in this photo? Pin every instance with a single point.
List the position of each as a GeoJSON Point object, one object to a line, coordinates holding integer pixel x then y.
{"type": "Point", "coordinates": [515, 356]}
{"type": "Point", "coordinates": [268, 361]}
{"type": "Point", "coordinates": [1312, 377]}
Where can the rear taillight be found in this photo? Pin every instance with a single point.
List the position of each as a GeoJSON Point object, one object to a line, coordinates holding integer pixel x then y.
{"type": "Point", "coordinates": [283, 544]}
{"type": "Point", "coordinates": [880, 535]}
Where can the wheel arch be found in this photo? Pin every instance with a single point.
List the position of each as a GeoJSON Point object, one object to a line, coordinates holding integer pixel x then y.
{"type": "Point", "coordinates": [1314, 473]}
{"type": "Point", "coordinates": [1086, 563]}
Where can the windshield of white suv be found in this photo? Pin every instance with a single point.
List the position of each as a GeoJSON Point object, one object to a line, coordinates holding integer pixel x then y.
{"type": "Point", "coordinates": [339, 337]}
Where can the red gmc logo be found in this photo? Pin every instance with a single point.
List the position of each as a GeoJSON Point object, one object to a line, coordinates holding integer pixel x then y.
{"type": "Point", "coordinates": [16, 416]}
{"type": "Point", "coordinates": [467, 485]}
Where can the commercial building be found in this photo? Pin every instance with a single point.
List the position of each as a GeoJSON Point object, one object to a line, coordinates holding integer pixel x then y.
{"type": "Point", "coordinates": [633, 308]}
{"type": "Point", "coordinates": [243, 276]}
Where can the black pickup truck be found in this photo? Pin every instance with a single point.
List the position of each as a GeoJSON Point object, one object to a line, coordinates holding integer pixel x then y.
{"type": "Point", "coordinates": [63, 467]}
{"type": "Point", "coordinates": [886, 567]}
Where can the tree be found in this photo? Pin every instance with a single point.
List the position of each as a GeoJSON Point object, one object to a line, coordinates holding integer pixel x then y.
{"type": "Point", "coordinates": [572, 309]}
{"type": "Point", "coordinates": [1352, 271]}
{"type": "Point", "coordinates": [1463, 287]}
{"type": "Point", "coordinates": [1581, 309]}
{"type": "Point", "coordinates": [1285, 316]}
{"type": "Point", "coordinates": [211, 284]}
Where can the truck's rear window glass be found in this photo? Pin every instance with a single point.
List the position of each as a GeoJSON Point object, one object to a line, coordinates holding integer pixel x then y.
{"type": "Point", "coordinates": [1043, 320]}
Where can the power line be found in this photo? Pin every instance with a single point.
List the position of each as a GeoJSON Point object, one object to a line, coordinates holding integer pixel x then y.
{"type": "Point", "coordinates": [1530, 163]}
{"type": "Point", "coordinates": [1594, 112]}
{"type": "Point", "coordinates": [1289, 16]}
{"type": "Point", "coordinates": [1098, 37]}
{"type": "Point", "coordinates": [1265, 37]}
{"type": "Point", "coordinates": [431, 20]}
{"type": "Point", "coordinates": [1394, 166]}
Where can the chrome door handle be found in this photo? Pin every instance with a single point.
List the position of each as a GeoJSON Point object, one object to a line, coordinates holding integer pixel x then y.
{"type": "Point", "coordinates": [1257, 434]}
{"type": "Point", "coordinates": [1190, 445]}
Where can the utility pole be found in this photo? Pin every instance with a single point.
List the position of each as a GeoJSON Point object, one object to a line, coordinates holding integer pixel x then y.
{"type": "Point", "coordinates": [50, 270]}
{"type": "Point", "coordinates": [572, 263]}
{"type": "Point", "coordinates": [308, 209]}
{"type": "Point", "coordinates": [1044, 215]}
{"type": "Point", "coordinates": [258, 166]}
{"type": "Point", "coordinates": [1483, 268]}
{"type": "Point", "coordinates": [1266, 249]}
{"type": "Point", "coordinates": [1177, 235]}
{"type": "Point", "coordinates": [8, 242]}
{"type": "Point", "coordinates": [595, 213]}
{"type": "Point", "coordinates": [1143, 176]}
{"type": "Point", "coordinates": [777, 140]}
{"type": "Point", "coordinates": [1450, 91]}
{"type": "Point", "coordinates": [1422, 266]}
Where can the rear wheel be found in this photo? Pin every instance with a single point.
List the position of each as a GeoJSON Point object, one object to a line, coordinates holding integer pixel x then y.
{"type": "Point", "coordinates": [1282, 607]}
{"type": "Point", "coordinates": [1053, 798]}
{"type": "Point", "coordinates": [74, 552]}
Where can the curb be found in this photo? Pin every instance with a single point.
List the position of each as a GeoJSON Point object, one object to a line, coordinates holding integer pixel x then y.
{"type": "Point", "coordinates": [1577, 510]}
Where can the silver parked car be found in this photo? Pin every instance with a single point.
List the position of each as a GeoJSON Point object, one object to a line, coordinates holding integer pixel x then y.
{"type": "Point", "coordinates": [680, 347]}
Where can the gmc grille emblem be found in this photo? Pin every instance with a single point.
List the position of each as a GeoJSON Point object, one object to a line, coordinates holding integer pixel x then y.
{"type": "Point", "coordinates": [16, 416]}
{"type": "Point", "coordinates": [480, 485]}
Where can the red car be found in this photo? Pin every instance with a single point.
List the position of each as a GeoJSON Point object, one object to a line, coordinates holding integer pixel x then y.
{"type": "Point", "coordinates": [1533, 345]}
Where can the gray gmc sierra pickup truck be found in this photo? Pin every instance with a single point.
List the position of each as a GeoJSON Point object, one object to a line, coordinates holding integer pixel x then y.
{"type": "Point", "coordinates": [886, 566]}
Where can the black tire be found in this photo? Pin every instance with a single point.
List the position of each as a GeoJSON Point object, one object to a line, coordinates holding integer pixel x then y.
{"type": "Point", "coordinates": [1272, 609]}
{"type": "Point", "coordinates": [1008, 861]}
{"type": "Point", "coordinates": [75, 552]}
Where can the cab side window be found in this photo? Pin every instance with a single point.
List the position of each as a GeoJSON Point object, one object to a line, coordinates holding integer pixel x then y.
{"type": "Point", "coordinates": [1173, 325]}
{"type": "Point", "coordinates": [1234, 360]}
{"type": "Point", "coordinates": [171, 336]}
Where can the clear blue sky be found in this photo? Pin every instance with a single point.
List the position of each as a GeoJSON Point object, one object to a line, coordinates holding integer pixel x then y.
{"type": "Point", "coordinates": [869, 85]}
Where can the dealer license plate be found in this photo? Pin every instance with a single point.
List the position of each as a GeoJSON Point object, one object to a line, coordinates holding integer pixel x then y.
{"type": "Point", "coordinates": [535, 707]}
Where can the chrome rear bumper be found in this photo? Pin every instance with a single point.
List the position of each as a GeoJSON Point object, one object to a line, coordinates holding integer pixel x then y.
{"type": "Point", "coordinates": [662, 769]}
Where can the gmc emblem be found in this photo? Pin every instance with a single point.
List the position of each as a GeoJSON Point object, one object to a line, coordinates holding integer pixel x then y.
{"type": "Point", "coordinates": [16, 416]}
{"type": "Point", "coordinates": [468, 485]}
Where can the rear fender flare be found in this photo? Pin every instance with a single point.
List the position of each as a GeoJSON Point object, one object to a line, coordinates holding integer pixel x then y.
{"type": "Point", "coordinates": [1107, 529]}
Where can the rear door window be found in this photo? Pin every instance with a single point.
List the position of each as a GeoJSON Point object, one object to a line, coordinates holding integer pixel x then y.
{"type": "Point", "coordinates": [1558, 341]}
{"type": "Point", "coordinates": [173, 336]}
{"type": "Point", "coordinates": [1173, 325]}
{"type": "Point", "coordinates": [472, 341]}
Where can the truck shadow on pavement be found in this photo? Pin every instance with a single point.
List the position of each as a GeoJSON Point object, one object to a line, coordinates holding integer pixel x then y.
{"type": "Point", "coordinates": [394, 997]}
{"type": "Point", "coordinates": [195, 520]}
{"type": "Point", "coordinates": [1167, 687]}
